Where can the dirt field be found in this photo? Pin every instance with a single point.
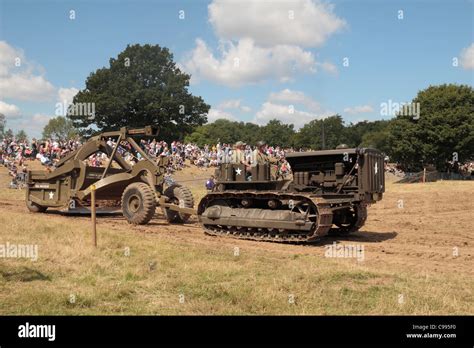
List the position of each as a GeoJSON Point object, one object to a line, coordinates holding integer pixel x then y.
{"type": "Point", "coordinates": [417, 258]}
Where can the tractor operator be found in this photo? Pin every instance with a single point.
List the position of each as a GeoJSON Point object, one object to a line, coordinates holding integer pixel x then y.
{"type": "Point", "coordinates": [260, 157]}
{"type": "Point", "coordinates": [238, 155]}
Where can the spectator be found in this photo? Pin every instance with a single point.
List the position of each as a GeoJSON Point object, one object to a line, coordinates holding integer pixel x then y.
{"type": "Point", "coordinates": [210, 183]}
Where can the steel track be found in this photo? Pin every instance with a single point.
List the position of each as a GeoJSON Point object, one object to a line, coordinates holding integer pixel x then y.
{"type": "Point", "coordinates": [322, 225]}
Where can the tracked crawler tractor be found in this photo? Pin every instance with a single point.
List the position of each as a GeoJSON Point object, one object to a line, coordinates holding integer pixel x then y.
{"type": "Point", "coordinates": [138, 189]}
{"type": "Point", "coordinates": [329, 194]}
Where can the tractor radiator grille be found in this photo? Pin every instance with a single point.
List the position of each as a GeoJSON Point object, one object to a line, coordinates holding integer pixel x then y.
{"type": "Point", "coordinates": [372, 172]}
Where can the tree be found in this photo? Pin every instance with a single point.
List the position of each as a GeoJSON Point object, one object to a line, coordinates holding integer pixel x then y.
{"type": "Point", "coordinates": [142, 86]}
{"type": "Point", "coordinates": [225, 131]}
{"type": "Point", "coordinates": [250, 133]}
{"type": "Point", "coordinates": [59, 128]}
{"type": "Point", "coordinates": [355, 133]}
{"type": "Point", "coordinates": [9, 134]}
{"type": "Point", "coordinates": [310, 135]}
{"type": "Point", "coordinates": [201, 136]}
{"type": "Point", "coordinates": [443, 131]}
{"type": "Point", "coordinates": [21, 136]}
{"type": "Point", "coordinates": [377, 139]}
{"type": "Point", "coordinates": [278, 134]}
{"type": "Point", "coordinates": [3, 122]}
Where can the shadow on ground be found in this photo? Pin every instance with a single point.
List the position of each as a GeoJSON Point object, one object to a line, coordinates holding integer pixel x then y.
{"type": "Point", "coordinates": [23, 274]}
{"type": "Point", "coordinates": [360, 237]}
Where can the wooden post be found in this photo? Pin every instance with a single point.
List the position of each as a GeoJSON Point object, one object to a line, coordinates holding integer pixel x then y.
{"type": "Point", "coordinates": [94, 230]}
{"type": "Point", "coordinates": [424, 175]}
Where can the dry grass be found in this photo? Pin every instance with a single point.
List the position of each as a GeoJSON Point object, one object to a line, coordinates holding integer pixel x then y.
{"type": "Point", "coordinates": [167, 264]}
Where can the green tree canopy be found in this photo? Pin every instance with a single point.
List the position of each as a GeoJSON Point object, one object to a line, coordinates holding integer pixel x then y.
{"type": "Point", "coordinates": [278, 134]}
{"type": "Point", "coordinates": [377, 139]}
{"type": "Point", "coordinates": [142, 86]}
{"type": "Point", "coordinates": [355, 133]}
{"type": "Point", "coordinates": [310, 135]}
{"type": "Point", "coordinates": [59, 128]}
{"type": "Point", "coordinates": [444, 129]}
{"type": "Point", "coordinates": [225, 131]}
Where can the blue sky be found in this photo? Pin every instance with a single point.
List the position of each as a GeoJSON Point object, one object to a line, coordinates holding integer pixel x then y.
{"type": "Point", "coordinates": [286, 60]}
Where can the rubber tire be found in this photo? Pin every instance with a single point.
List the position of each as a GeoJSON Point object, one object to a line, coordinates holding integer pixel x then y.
{"type": "Point", "coordinates": [181, 193]}
{"type": "Point", "coordinates": [147, 207]}
{"type": "Point", "coordinates": [35, 208]}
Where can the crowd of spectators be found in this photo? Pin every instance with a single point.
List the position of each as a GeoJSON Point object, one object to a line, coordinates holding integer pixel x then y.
{"type": "Point", "coordinates": [455, 167]}
{"type": "Point", "coordinates": [203, 157]}
{"type": "Point", "coordinates": [14, 154]}
{"type": "Point", "coordinates": [208, 155]}
{"type": "Point", "coordinates": [455, 170]}
{"type": "Point", "coordinates": [394, 169]}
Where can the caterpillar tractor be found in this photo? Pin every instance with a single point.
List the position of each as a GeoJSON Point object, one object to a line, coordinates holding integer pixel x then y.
{"type": "Point", "coordinates": [138, 189]}
{"type": "Point", "coordinates": [328, 194]}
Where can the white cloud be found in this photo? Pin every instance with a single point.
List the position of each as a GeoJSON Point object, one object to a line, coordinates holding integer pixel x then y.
{"type": "Point", "coordinates": [8, 55]}
{"type": "Point", "coordinates": [263, 40]}
{"type": "Point", "coordinates": [21, 79]}
{"type": "Point", "coordinates": [230, 104]}
{"type": "Point", "coordinates": [328, 67]}
{"type": "Point", "coordinates": [37, 123]}
{"type": "Point", "coordinates": [467, 57]}
{"type": "Point", "coordinates": [290, 106]}
{"type": "Point", "coordinates": [9, 110]}
{"type": "Point", "coordinates": [40, 119]}
{"type": "Point", "coordinates": [26, 87]}
{"type": "Point", "coordinates": [234, 104]}
{"type": "Point", "coordinates": [65, 95]}
{"type": "Point", "coordinates": [32, 125]}
{"type": "Point", "coordinates": [245, 63]}
{"type": "Point", "coordinates": [295, 97]}
{"type": "Point", "coordinates": [215, 114]}
{"type": "Point", "coordinates": [284, 113]}
{"type": "Point", "coordinates": [304, 23]}
{"type": "Point", "coordinates": [359, 109]}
